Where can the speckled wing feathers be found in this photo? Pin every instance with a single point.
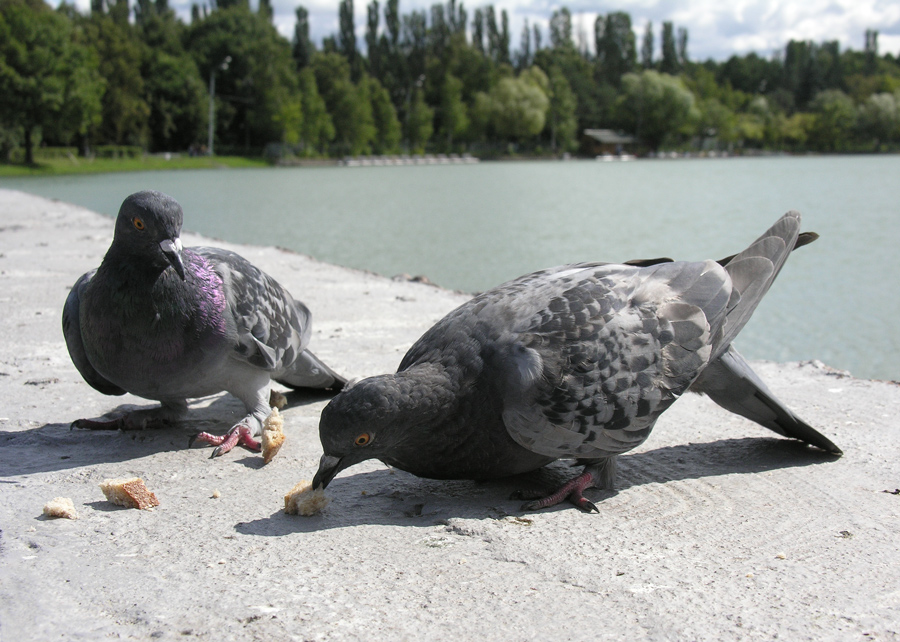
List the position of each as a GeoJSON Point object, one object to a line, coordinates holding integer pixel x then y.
{"type": "Point", "coordinates": [617, 345]}
{"type": "Point", "coordinates": [273, 328]}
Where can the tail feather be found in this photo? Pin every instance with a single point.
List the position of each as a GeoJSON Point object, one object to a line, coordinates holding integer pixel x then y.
{"type": "Point", "coordinates": [308, 371]}
{"type": "Point", "coordinates": [753, 271]}
{"type": "Point", "coordinates": [731, 383]}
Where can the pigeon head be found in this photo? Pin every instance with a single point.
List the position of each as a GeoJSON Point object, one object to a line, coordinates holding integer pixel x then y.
{"type": "Point", "coordinates": [355, 426]}
{"type": "Point", "coordinates": [149, 227]}
{"type": "Point", "coordinates": [385, 417]}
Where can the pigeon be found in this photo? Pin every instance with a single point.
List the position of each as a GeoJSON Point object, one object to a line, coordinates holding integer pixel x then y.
{"type": "Point", "coordinates": [169, 323]}
{"type": "Point", "coordinates": [573, 362]}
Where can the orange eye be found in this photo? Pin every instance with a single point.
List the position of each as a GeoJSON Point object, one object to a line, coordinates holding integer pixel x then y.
{"type": "Point", "coordinates": [138, 223]}
{"type": "Point", "coordinates": [363, 439]}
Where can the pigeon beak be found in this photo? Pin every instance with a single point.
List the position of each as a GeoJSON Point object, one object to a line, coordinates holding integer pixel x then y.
{"type": "Point", "coordinates": [328, 467]}
{"type": "Point", "coordinates": [171, 248]}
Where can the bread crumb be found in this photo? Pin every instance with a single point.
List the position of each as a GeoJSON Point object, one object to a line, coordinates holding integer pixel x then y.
{"type": "Point", "coordinates": [216, 494]}
{"type": "Point", "coordinates": [303, 500]}
{"type": "Point", "coordinates": [272, 435]}
{"type": "Point", "coordinates": [60, 507]}
{"type": "Point", "coordinates": [129, 492]}
{"type": "Point", "coordinates": [277, 400]}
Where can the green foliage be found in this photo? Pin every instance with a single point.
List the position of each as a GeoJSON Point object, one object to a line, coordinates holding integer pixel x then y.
{"type": "Point", "coordinates": [519, 105]}
{"type": "Point", "coordinates": [419, 127]}
{"type": "Point", "coordinates": [835, 118]}
{"type": "Point", "coordinates": [656, 106]}
{"type": "Point", "coordinates": [427, 80]}
{"type": "Point", "coordinates": [879, 117]}
{"type": "Point", "coordinates": [48, 80]}
{"type": "Point", "coordinates": [259, 79]}
{"type": "Point", "coordinates": [561, 120]}
{"type": "Point", "coordinates": [317, 128]}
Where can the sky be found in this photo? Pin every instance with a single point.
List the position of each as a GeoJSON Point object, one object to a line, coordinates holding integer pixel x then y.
{"type": "Point", "coordinates": [717, 29]}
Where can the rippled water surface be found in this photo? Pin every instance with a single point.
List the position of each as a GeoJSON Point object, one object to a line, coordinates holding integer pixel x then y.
{"type": "Point", "coordinates": [470, 227]}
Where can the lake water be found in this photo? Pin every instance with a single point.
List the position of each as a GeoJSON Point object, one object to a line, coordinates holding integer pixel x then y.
{"type": "Point", "coordinates": [469, 227]}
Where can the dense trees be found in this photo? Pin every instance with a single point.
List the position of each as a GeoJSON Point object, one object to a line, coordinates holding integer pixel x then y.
{"type": "Point", "coordinates": [441, 80]}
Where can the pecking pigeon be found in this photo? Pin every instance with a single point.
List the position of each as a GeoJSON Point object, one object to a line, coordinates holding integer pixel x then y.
{"type": "Point", "coordinates": [170, 323]}
{"type": "Point", "coordinates": [577, 361]}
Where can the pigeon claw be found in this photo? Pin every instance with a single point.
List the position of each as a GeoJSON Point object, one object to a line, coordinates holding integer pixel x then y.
{"type": "Point", "coordinates": [572, 490]}
{"type": "Point", "coordinates": [240, 435]}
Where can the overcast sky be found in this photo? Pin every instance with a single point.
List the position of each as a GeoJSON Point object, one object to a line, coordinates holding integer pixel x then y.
{"type": "Point", "coordinates": [716, 28]}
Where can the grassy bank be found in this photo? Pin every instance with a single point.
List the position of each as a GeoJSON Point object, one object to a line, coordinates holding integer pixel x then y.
{"type": "Point", "coordinates": [73, 165]}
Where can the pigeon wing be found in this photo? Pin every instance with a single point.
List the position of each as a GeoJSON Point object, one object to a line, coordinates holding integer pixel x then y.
{"type": "Point", "coordinates": [590, 372]}
{"type": "Point", "coordinates": [272, 328]}
{"type": "Point", "coordinates": [71, 323]}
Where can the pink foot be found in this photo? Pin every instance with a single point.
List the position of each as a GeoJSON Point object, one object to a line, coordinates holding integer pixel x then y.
{"type": "Point", "coordinates": [240, 435]}
{"type": "Point", "coordinates": [572, 490]}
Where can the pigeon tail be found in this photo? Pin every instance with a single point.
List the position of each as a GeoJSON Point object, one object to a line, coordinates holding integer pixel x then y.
{"type": "Point", "coordinates": [753, 271]}
{"type": "Point", "coordinates": [308, 371]}
{"type": "Point", "coordinates": [731, 383]}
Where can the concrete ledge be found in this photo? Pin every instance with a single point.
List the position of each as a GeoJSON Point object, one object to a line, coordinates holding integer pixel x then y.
{"type": "Point", "coordinates": [719, 530]}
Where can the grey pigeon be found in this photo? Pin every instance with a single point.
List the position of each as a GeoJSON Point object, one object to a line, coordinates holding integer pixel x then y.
{"type": "Point", "coordinates": [170, 323]}
{"type": "Point", "coordinates": [577, 361]}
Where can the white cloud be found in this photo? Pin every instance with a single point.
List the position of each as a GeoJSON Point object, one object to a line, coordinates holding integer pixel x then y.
{"type": "Point", "coordinates": [716, 29]}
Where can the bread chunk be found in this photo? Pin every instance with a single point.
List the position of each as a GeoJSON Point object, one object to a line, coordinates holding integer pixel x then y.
{"type": "Point", "coordinates": [272, 435]}
{"type": "Point", "coordinates": [60, 507]}
{"type": "Point", "coordinates": [303, 500]}
{"type": "Point", "coordinates": [130, 492]}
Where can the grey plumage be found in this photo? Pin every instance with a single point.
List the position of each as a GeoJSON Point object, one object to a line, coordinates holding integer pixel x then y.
{"type": "Point", "coordinates": [577, 362]}
{"type": "Point", "coordinates": [170, 324]}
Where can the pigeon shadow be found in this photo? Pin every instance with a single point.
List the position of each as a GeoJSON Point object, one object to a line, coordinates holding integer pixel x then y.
{"type": "Point", "coordinates": [58, 446]}
{"type": "Point", "coordinates": [393, 497]}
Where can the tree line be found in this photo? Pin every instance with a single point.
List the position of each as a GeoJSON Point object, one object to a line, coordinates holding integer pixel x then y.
{"type": "Point", "coordinates": [440, 81]}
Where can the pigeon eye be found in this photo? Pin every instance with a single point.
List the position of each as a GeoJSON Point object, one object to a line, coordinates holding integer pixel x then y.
{"type": "Point", "coordinates": [363, 439]}
{"type": "Point", "coordinates": [138, 223]}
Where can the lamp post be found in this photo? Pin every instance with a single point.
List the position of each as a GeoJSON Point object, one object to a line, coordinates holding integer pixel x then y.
{"type": "Point", "coordinates": [212, 101]}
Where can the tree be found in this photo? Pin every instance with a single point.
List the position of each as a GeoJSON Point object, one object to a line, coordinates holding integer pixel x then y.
{"type": "Point", "coordinates": [260, 79]}
{"type": "Point", "coordinates": [347, 38]}
{"type": "Point", "coordinates": [387, 126]}
{"type": "Point", "coordinates": [616, 53]}
{"type": "Point", "coordinates": [682, 47]}
{"type": "Point", "coordinates": [561, 118]}
{"type": "Point", "coordinates": [647, 47]}
{"type": "Point", "coordinates": [656, 106]}
{"type": "Point", "coordinates": [317, 128]}
{"type": "Point", "coordinates": [523, 60]}
{"type": "Point", "coordinates": [478, 30]}
{"type": "Point", "coordinates": [561, 29]}
{"type": "Point", "coordinates": [177, 99]}
{"type": "Point", "coordinates": [835, 118]}
{"type": "Point", "coordinates": [669, 62]}
{"type": "Point", "coordinates": [419, 127]}
{"type": "Point", "coordinates": [47, 80]}
{"type": "Point", "coordinates": [879, 118]}
{"type": "Point", "coordinates": [302, 48]}
{"type": "Point", "coordinates": [173, 88]}
{"type": "Point", "coordinates": [125, 108]}
{"type": "Point", "coordinates": [452, 112]}
{"type": "Point", "coordinates": [519, 105]}
{"type": "Point", "coordinates": [372, 42]}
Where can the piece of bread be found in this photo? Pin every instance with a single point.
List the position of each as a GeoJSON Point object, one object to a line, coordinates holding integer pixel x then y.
{"type": "Point", "coordinates": [277, 400]}
{"type": "Point", "coordinates": [303, 500]}
{"type": "Point", "coordinates": [272, 435]}
{"type": "Point", "coordinates": [60, 507]}
{"type": "Point", "coordinates": [130, 492]}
